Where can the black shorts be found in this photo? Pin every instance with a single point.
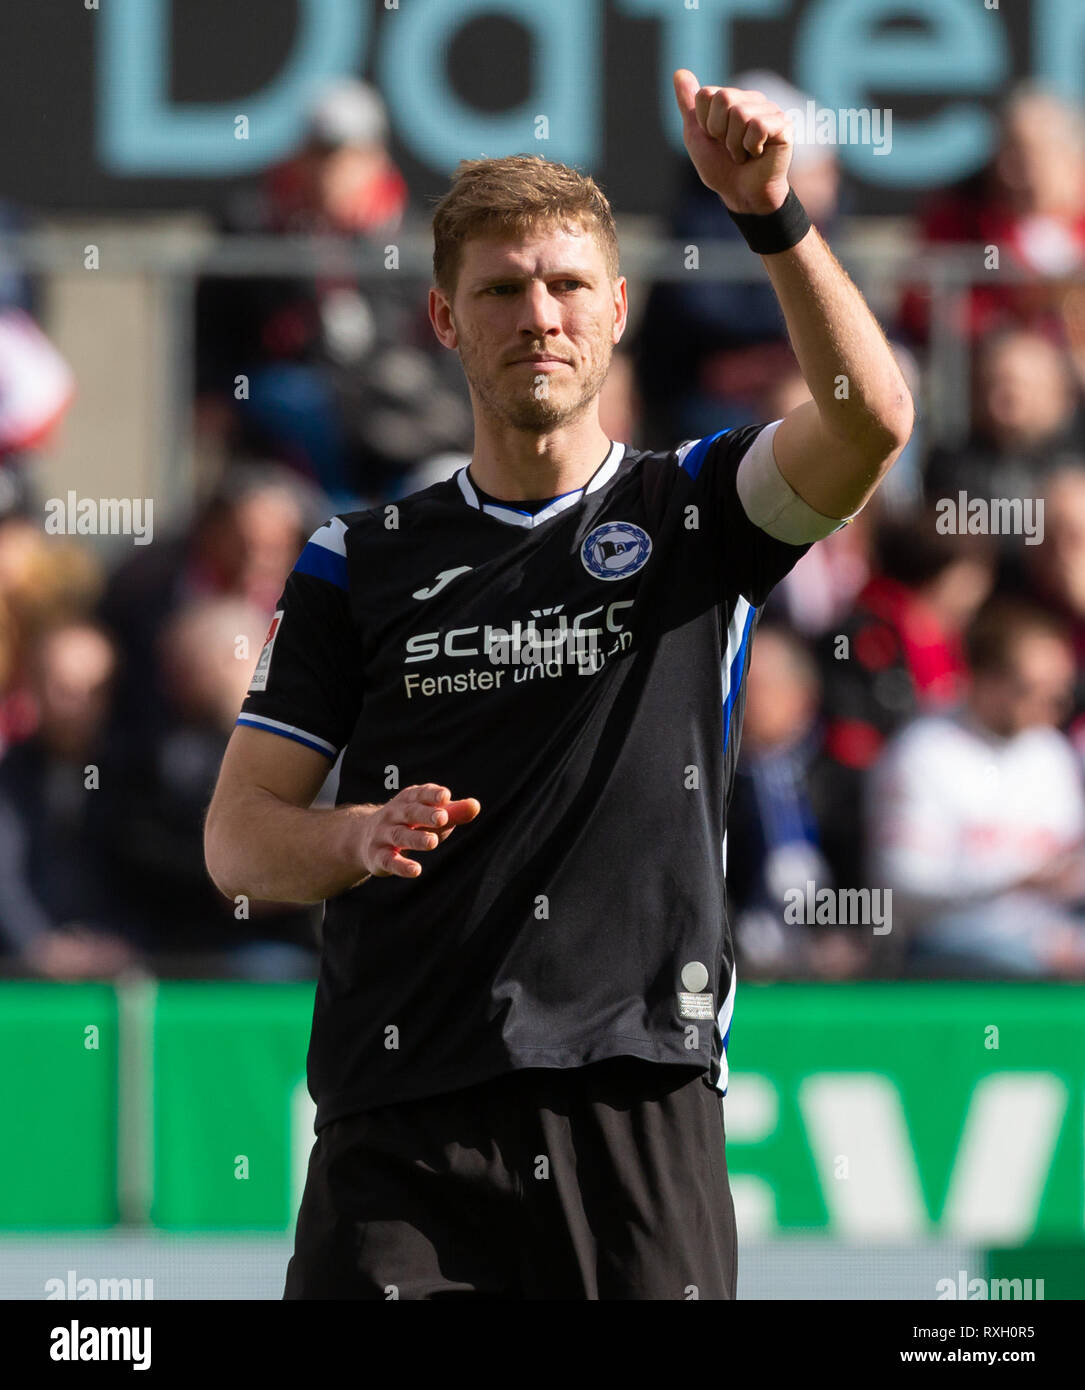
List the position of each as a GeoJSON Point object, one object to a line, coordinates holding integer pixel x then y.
{"type": "Point", "coordinates": [601, 1181]}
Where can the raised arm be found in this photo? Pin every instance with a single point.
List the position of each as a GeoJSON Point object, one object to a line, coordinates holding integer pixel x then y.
{"type": "Point", "coordinates": [834, 450]}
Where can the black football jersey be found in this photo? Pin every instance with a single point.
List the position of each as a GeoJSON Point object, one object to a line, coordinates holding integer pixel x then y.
{"type": "Point", "coordinates": [580, 672]}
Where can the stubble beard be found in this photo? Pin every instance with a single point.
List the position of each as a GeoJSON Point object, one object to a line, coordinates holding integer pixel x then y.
{"type": "Point", "coordinates": [531, 407]}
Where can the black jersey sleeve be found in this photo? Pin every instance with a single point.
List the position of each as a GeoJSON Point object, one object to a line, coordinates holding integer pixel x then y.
{"type": "Point", "coordinates": [307, 685]}
{"type": "Point", "coordinates": [751, 561]}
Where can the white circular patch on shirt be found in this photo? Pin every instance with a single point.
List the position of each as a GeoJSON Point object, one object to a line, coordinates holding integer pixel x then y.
{"type": "Point", "coordinates": [694, 977]}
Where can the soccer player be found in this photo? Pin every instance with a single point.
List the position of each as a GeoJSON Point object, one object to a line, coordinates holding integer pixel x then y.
{"type": "Point", "coordinates": [534, 672]}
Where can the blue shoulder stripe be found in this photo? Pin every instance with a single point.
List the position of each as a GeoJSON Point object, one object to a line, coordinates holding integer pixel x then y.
{"type": "Point", "coordinates": [691, 464]}
{"type": "Point", "coordinates": [322, 563]}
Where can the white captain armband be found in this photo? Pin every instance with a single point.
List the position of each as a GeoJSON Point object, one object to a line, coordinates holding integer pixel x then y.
{"type": "Point", "coordinates": [772, 504]}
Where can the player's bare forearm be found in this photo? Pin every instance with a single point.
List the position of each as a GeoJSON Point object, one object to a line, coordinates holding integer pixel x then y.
{"type": "Point", "coordinates": [268, 850]}
{"type": "Point", "coordinates": [263, 837]}
{"type": "Point", "coordinates": [835, 449]}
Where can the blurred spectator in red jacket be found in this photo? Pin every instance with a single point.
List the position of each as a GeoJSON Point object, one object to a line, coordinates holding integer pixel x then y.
{"type": "Point", "coordinates": [343, 178]}
{"type": "Point", "coordinates": [342, 376]}
{"type": "Point", "coordinates": [242, 544]}
{"type": "Point", "coordinates": [36, 383]}
{"type": "Point", "coordinates": [899, 653]}
{"type": "Point", "coordinates": [1029, 203]}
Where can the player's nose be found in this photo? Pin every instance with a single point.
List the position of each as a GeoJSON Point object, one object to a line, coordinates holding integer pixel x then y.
{"type": "Point", "coordinates": [541, 312]}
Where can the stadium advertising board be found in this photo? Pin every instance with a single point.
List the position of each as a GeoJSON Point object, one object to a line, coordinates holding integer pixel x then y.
{"type": "Point", "coordinates": [879, 1113]}
{"type": "Point", "coordinates": [177, 101]}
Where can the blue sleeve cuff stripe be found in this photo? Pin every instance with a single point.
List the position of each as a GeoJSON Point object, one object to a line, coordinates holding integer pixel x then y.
{"type": "Point", "coordinates": [307, 740]}
{"type": "Point", "coordinates": [691, 464]}
{"type": "Point", "coordinates": [322, 563]}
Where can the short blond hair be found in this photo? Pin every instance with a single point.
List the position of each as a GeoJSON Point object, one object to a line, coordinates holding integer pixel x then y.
{"type": "Point", "coordinates": [516, 195]}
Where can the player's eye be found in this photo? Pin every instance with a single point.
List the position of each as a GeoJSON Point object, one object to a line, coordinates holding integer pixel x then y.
{"type": "Point", "coordinates": [570, 284]}
{"type": "Point", "coordinates": [497, 290]}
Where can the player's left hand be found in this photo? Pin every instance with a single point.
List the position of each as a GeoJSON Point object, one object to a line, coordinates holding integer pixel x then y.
{"type": "Point", "coordinates": [740, 143]}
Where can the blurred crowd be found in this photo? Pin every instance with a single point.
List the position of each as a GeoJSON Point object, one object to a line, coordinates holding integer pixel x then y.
{"type": "Point", "coordinates": [915, 709]}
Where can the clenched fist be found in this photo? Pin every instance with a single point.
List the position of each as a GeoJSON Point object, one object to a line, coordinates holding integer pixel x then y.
{"type": "Point", "coordinates": [740, 143]}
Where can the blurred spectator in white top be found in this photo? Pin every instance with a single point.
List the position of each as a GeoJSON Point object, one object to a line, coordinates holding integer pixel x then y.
{"type": "Point", "coordinates": [978, 819]}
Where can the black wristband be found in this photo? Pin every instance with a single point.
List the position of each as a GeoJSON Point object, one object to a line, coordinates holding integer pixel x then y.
{"type": "Point", "coordinates": [768, 233]}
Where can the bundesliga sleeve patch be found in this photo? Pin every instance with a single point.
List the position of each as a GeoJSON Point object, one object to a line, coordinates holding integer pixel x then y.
{"type": "Point", "coordinates": [692, 1001]}
{"type": "Point", "coordinates": [695, 1005]}
{"type": "Point", "coordinates": [263, 665]}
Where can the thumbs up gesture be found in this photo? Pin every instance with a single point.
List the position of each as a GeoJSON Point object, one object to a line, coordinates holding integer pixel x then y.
{"type": "Point", "coordinates": [740, 143]}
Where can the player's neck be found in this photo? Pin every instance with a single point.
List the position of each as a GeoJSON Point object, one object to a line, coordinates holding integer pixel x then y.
{"type": "Point", "coordinates": [517, 465]}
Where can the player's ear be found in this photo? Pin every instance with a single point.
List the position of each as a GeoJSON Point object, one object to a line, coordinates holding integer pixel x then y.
{"type": "Point", "coordinates": [440, 317]}
{"type": "Point", "coordinates": [621, 309]}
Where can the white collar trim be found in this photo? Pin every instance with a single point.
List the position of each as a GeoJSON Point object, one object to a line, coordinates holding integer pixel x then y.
{"type": "Point", "coordinates": [512, 517]}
